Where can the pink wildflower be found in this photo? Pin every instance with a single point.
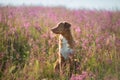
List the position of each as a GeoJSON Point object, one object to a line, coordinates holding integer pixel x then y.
{"type": "Point", "coordinates": [79, 77]}
{"type": "Point", "coordinates": [78, 30]}
{"type": "Point", "coordinates": [26, 25]}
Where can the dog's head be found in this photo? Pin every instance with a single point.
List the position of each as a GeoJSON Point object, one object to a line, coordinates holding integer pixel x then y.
{"type": "Point", "coordinates": [61, 28]}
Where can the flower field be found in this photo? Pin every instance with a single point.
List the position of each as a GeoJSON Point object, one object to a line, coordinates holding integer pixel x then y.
{"type": "Point", "coordinates": [28, 48]}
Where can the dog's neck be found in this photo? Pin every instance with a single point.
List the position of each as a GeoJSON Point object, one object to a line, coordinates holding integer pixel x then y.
{"type": "Point", "coordinates": [68, 36]}
{"type": "Point", "coordinates": [66, 44]}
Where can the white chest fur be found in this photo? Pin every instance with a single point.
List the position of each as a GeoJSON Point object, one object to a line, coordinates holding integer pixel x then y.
{"type": "Point", "coordinates": [64, 48]}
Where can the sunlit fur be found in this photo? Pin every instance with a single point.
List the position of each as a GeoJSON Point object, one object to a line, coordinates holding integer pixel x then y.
{"type": "Point", "coordinates": [66, 46]}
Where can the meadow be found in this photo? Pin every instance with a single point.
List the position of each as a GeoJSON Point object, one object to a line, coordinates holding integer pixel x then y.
{"type": "Point", "coordinates": [28, 48]}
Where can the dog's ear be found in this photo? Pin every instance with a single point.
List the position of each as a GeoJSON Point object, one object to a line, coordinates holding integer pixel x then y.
{"type": "Point", "coordinates": [67, 25]}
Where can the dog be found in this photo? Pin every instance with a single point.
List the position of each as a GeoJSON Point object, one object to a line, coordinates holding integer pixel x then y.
{"type": "Point", "coordinates": [66, 47]}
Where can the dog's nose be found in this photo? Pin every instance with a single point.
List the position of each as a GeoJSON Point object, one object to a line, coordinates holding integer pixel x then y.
{"type": "Point", "coordinates": [52, 29]}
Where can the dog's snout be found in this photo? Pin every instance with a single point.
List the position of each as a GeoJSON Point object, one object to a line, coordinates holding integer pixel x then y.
{"type": "Point", "coordinates": [52, 29]}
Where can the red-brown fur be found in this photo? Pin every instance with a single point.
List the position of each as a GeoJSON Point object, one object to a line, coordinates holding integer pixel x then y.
{"type": "Point", "coordinates": [63, 29]}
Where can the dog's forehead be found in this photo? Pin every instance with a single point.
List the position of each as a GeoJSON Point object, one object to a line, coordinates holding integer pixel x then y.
{"type": "Point", "coordinates": [60, 24]}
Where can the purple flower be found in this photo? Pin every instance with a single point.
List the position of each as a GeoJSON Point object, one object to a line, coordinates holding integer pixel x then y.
{"type": "Point", "coordinates": [85, 43]}
{"type": "Point", "coordinates": [79, 77]}
{"type": "Point", "coordinates": [26, 25]}
{"type": "Point", "coordinates": [78, 30]}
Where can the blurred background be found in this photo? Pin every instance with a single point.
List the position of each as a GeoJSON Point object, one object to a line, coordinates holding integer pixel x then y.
{"type": "Point", "coordinates": [28, 48]}
{"type": "Point", "coordinates": [71, 4]}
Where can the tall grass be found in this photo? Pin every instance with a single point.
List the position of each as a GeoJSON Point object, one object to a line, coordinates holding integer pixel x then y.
{"type": "Point", "coordinates": [28, 49]}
